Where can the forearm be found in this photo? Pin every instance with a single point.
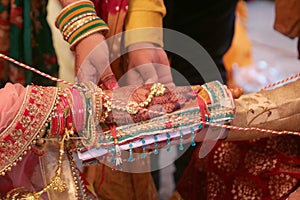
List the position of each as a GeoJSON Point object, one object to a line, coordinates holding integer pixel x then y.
{"type": "Point", "coordinates": [277, 109]}
{"type": "Point", "coordinates": [85, 47]}
{"type": "Point", "coordinates": [83, 30]}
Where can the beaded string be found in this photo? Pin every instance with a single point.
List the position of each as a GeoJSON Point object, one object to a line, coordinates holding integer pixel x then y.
{"type": "Point", "coordinates": [144, 109]}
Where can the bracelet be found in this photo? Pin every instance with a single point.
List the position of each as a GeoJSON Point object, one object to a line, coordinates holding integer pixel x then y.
{"type": "Point", "coordinates": [69, 98]}
{"type": "Point", "coordinates": [73, 10]}
{"type": "Point", "coordinates": [79, 20]}
{"type": "Point", "coordinates": [78, 110]}
{"type": "Point", "coordinates": [61, 120]}
{"type": "Point", "coordinates": [76, 25]}
{"type": "Point", "coordinates": [97, 25]}
{"type": "Point", "coordinates": [54, 124]}
{"type": "Point", "coordinates": [99, 95]}
{"type": "Point", "coordinates": [107, 107]}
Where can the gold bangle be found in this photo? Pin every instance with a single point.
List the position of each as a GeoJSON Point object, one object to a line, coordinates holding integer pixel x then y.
{"type": "Point", "coordinates": [76, 25]}
{"type": "Point", "coordinates": [62, 19]}
{"type": "Point", "coordinates": [65, 27]}
{"type": "Point", "coordinates": [99, 95]}
{"type": "Point", "coordinates": [81, 37]}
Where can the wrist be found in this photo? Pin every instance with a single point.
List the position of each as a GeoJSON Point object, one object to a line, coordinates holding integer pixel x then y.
{"type": "Point", "coordinates": [142, 45]}
{"type": "Point", "coordinates": [65, 3]}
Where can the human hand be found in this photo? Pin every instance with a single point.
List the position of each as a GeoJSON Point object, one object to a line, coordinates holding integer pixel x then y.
{"type": "Point", "coordinates": [147, 64]}
{"type": "Point", "coordinates": [169, 102]}
{"type": "Point", "coordinates": [92, 58]}
{"type": "Point", "coordinates": [92, 62]}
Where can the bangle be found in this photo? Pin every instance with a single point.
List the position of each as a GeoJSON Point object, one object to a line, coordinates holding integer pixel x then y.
{"type": "Point", "coordinates": [89, 135]}
{"type": "Point", "coordinates": [73, 10]}
{"type": "Point", "coordinates": [79, 20]}
{"type": "Point", "coordinates": [76, 25]}
{"type": "Point", "coordinates": [91, 94]}
{"type": "Point", "coordinates": [99, 104]}
{"type": "Point", "coordinates": [97, 25]}
{"type": "Point", "coordinates": [69, 98]}
{"type": "Point", "coordinates": [75, 19]}
{"type": "Point", "coordinates": [78, 110]}
{"type": "Point", "coordinates": [54, 124]}
{"type": "Point", "coordinates": [61, 120]}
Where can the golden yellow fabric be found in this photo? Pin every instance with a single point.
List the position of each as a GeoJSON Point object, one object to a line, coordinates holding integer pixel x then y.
{"type": "Point", "coordinates": [141, 14]}
{"type": "Point", "coordinates": [240, 52]}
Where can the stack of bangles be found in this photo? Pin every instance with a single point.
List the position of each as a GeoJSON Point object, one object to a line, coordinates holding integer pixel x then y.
{"type": "Point", "coordinates": [79, 20]}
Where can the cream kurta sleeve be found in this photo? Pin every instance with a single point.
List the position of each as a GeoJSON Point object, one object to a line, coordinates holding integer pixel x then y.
{"type": "Point", "coordinates": [277, 109]}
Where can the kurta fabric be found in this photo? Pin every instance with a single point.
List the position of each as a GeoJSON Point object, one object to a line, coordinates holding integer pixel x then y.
{"type": "Point", "coordinates": [25, 36]}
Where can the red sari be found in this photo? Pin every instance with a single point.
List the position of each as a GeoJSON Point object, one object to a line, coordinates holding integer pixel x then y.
{"type": "Point", "coordinates": [258, 169]}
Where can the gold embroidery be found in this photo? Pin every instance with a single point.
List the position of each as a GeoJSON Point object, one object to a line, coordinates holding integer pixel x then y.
{"type": "Point", "coordinates": [215, 187]}
{"type": "Point", "coordinates": [245, 189]}
{"type": "Point", "coordinates": [226, 157]}
{"type": "Point", "coordinates": [286, 144]}
{"type": "Point", "coordinates": [23, 131]}
{"type": "Point", "coordinates": [258, 162]}
{"type": "Point", "coordinates": [259, 108]}
{"type": "Point", "coordinates": [280, 185]}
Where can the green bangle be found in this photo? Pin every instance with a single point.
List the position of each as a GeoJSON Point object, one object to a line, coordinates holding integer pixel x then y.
{"type": "Point", "coordinates": [94, 24]}
{"type": "Point", "coordinates": [72, 13]}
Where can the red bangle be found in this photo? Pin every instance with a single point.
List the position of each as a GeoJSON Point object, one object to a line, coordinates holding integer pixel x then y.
{"type": "Point", "coordinates": [70, 101]}
{"type": "Point", "coordinates": [78, 110]}
{"type": "Point", "coordinates": [61, 120]}
{"type": "Point", "coordinates": [54, 124]}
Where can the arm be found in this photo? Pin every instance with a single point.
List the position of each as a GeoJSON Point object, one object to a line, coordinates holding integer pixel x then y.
{"type": "Point", "coordinates": [89, 32]}
{"type": "Point", "coordinates": [11, 100]}
{"type": "Point", "coordinates": [148, 62]}
{"type": "Point", "coordinates": [277, 109]}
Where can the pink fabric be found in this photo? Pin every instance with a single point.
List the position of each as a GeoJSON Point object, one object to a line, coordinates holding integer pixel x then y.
{"type": "Point", "coordinates": [12, 96]}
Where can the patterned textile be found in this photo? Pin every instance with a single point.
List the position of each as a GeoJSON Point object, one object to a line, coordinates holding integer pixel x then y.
{"type": "Point", "coordinates": [258, 169]}
{"type": "Point", "coordinates": [25, 36]}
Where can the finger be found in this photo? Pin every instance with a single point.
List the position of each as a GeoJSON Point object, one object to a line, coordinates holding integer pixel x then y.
{"type": "Point", "coordinates": [96, 59]}
{"type": "Point", "coordinates": [131, 77]}
{"type": "Point", "coordinates": [236, 92]}
{"type": "Point", "coordinates": [109, 83]}
{"type": "Point", "coordinates": [108, 80]}
{"type": "Point", "coordinates": [87, 72]}
{"type": "Point", "coordinates": [147, 72]}
{"type": "Point", "coordinates": [164, 74]}
{"type": "Point", "coordinates": [163, 69]}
